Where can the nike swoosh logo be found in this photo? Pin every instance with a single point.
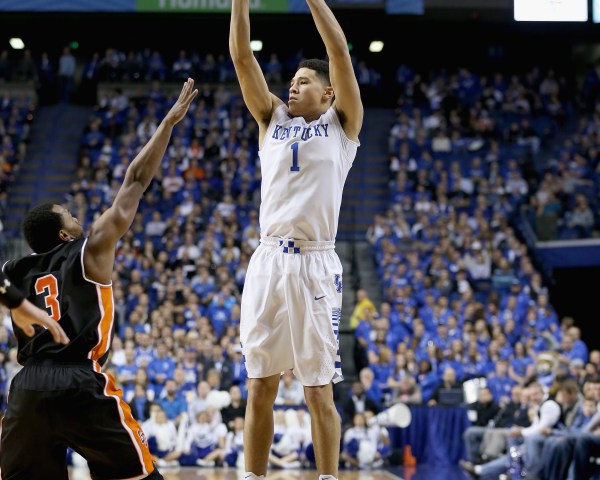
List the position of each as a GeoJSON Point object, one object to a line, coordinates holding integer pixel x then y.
{"type": "Point", "coordinates": [319, 298]}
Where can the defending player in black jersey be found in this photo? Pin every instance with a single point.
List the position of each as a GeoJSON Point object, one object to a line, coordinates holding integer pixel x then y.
{"type": "Point", "coordinates": [62, 398]}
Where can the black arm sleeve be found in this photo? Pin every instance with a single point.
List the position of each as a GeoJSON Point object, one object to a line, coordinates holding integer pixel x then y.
{"type": "Point", "coordinates": [9, 294]}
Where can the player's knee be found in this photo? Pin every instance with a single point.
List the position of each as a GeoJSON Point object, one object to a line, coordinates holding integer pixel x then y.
{"type": "Point", "coordinates": [318, 400]}
{"type": "Point", "coordinates": [262, 391]}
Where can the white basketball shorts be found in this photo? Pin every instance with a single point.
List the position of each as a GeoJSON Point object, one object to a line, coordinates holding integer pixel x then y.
{"type": "Point", "coordinates": [291, 309]}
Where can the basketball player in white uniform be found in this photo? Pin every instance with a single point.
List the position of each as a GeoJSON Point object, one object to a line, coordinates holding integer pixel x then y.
{"type": "Point", "coordinates": [291, 302]}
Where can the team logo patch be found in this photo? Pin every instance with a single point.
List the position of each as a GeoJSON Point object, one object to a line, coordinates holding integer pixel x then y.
{"type": "Point", "coordinates": [338, 282]}
{"type": "Point", "coordinates": [5, 286]}
{"type": "Point", "coordinates": [142, 436]}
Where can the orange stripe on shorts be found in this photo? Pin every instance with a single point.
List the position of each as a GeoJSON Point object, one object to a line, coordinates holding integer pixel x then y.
{"type": "Point", "coordinates": [130, 424]}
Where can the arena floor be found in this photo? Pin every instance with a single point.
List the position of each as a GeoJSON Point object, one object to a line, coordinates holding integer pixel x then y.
{"type": "Point", "coordinates": [231, 474]}
{"type": "Point", "coordinates": [421, 472]}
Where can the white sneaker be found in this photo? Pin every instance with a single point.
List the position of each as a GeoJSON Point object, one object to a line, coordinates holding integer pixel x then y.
{"type": "Point", "coordinates": [292, 465]}
{"type": "Point", "coordinates": [205, 463]}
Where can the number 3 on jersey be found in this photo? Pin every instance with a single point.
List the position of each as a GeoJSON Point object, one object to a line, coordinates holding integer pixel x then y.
{"type": "Point", "coordinates": [295, 167]}
{"type": "Point", "coordinates": [48, 286]}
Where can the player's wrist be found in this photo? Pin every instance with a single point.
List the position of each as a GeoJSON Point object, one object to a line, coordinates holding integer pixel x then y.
{"type": "Point", "coordinates": [11, 295]}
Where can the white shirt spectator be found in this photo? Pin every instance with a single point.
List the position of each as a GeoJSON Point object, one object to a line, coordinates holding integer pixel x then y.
{"type": "Point", "coordinates": [441, 143]}
{"type": "Point", "coordinates": [234, 442]}
{"type": "Point", "coordinates": [291, 391]}
{"type": "Point", "coordinates": [290, 441]}
{"type": "Point", "coordinates": [546, 416]}
{"type": "Point", "coordinates": [156, 227]}
{"type": "Point", "coordinates": [356, 433]}
{"type": "Point", "coordinates": [517, 185]}
{"type": "Point", "coordinates": [204, 435]}
{"type": "Point", "coordinates": [165, 433]}
{"type": "Point", "coordinates": [478, 264]}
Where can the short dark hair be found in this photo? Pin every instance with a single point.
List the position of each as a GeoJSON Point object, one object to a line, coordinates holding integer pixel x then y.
{"type": "Point", "coordinates": [569, 385]}
{"type": "Point", "coordinates": [41, 227]}
{"type": "Point", "coordinates": [319, 66]}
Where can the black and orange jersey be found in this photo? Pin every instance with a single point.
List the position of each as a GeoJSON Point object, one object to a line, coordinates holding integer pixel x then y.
{"type": "Point", "coordinates": [56, 282]}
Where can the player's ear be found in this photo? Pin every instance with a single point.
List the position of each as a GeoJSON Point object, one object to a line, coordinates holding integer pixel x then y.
{"type": "Point", "coordinates": [329, 93]}
{"type": "Point", "coordinates": [65, 236]}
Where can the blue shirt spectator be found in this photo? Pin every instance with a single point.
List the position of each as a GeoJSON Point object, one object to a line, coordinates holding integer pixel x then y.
{"type": "Point", "coordinates": [172, 402]}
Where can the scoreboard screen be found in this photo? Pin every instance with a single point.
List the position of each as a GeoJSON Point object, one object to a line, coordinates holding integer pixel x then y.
{"type": "Point", "coordinates": [551, 10]}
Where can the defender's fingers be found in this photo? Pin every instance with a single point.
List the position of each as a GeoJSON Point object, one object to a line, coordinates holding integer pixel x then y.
{"type": "Point", "coordinates": [58, 334]}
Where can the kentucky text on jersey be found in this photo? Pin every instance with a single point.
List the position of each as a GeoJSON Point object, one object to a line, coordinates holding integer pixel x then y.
{"type": "Point", "coordinates": [283, 133]}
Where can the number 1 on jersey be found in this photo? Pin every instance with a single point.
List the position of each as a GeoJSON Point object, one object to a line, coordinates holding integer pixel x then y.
{"type": "Point", "coordinates": [48, 285]}
{"type": "Point", "coordinates": [295, 167]}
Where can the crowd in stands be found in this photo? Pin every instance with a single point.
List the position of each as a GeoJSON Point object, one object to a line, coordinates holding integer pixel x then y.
{"type": "Point", "coordinates": [16, 114]}
{"type": "Point", "coordinates": [523, 140]}
{"type": "Point", "coordinates": [462, 299]}
{"type": "Point", "coordinates": [58, 78]}
{"type": "Point", "coordinates": [544, 117]}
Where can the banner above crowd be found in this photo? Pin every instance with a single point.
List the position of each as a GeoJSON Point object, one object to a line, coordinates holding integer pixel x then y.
{"type": "Point", "coordinates": [411, 7]}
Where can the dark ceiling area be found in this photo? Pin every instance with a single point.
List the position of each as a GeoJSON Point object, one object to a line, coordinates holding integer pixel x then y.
{"type": "Point", "coordinates": [430, 41]}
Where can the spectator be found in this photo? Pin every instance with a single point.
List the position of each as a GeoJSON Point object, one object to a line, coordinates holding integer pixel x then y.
{"type": "Point", "coordinates": [140, 404]}
{"type": "Point", "coordinates": [495, 438]}
{"type": "Point", "coordinates": [66, 74]}
{"type": "Point", "coordinates": [237, 407]}
{"type": "Point", "coordinates": [557, 453]}
{"type": "Point", "coordinates": [173, 403]}
{"type": "Point", "coordinates": [161, 368]}
{"type": "Point", "coordinates": [357, 402]}
{"type": "Point", "coordinates": [546, 413]}
{"type": "Point", "coordinates": [450, 392]}
{"type": "Point", "coordinates": [290, 390]}
{"type": "Point", "coordinates": [371, 387]}
{"type": "Point", "coordinates": [233, 369]}
{"type": "Point", "coordinates": [580, 219]}
{"type": "Point", "coordinates": [198, 402]}
{"type": "Point", "coordinates": [233, 451]}
{"type": "Point", "coordinates": [287, 444]}
{"type": "Point", "coordinates": [162, 437]}
{"type": "Point", "coordinates": [25, 69]}
{"type": "Point", "coordinates": [182, 67]}
{"type": "Point", "coordinates": [46, 80]}
{"type": "Point", "coordinates": [365, 447]}
{"type": "Point", "coordinates": [500, 383]}
{"type": "Point", "coordinates": [204, 442]}
{"type": "Point", "coordinates": [362, 302]}
{"type": "Point", "coordinates": [408, 391]}
{"type": "Point", "coordinates": [90, 76]}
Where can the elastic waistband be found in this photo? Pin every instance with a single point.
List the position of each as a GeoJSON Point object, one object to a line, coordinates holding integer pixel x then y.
{"type": "Point", "coordinates": [289, 245]}
{"type": "Point", "coordinates": [49, 362]}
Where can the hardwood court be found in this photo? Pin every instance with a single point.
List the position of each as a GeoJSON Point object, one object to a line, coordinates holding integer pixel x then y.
{"type": "Point", "coordinates": [232, 474]}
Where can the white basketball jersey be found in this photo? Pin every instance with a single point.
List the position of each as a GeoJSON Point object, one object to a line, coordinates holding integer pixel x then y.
{"type": "Point", "coordinates": [304, 167]}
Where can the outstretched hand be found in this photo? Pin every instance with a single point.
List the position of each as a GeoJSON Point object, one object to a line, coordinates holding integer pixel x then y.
{"type": "Point", "coordinates": [26, 315]}
{"type": "Point", "coordinates": [181, 106]}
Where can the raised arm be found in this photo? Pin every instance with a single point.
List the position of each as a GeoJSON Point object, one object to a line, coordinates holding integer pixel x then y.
{"type": "Point", "coordinates": [343, 80]}
{"type": "Point", "coordinates": [259, 100]}
{"type": "Point", "coordinates": [113, 223]}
